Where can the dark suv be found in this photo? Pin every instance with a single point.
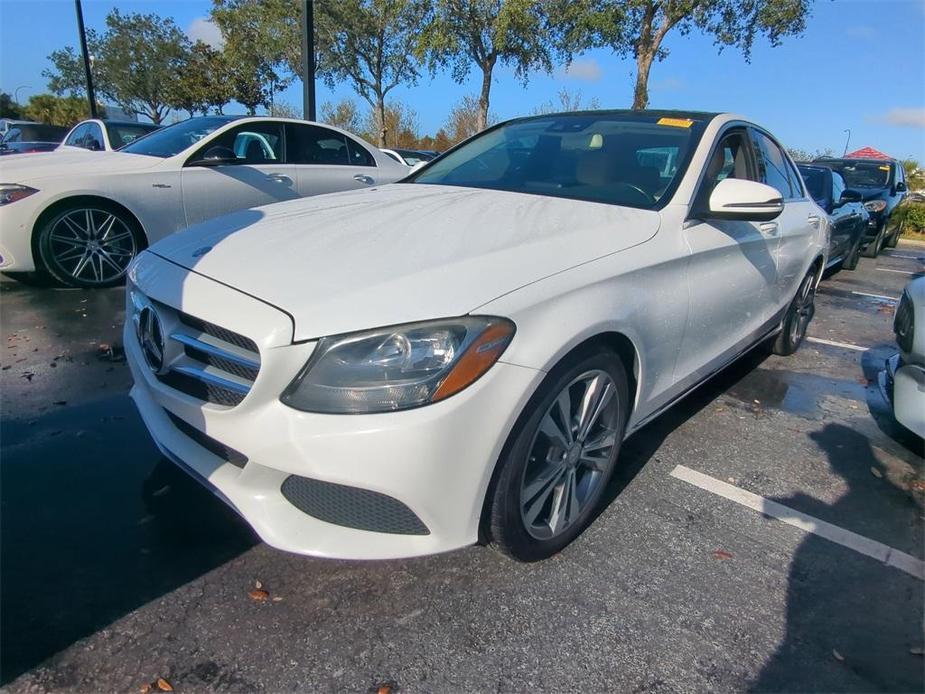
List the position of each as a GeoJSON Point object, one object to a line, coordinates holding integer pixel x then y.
{"type": "Point", "coordinates": [882, 182]}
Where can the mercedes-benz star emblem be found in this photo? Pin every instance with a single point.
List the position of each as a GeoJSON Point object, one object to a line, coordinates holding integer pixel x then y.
{"type": "Point", "coordinates": [151, 337]}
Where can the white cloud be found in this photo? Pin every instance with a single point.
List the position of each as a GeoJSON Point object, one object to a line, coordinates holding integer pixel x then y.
{"type": "Point", "coordinates": [903, 117]}
{"type": "Point", "coordinates": [202, 29]}
{"type": "Point", "coordinates": [586, 70]}
{"type": "Point", "coordinates": [669, 84]}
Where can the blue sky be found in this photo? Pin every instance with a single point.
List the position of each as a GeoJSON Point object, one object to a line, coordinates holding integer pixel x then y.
{"type": "Point", "coordinates": [859, 65]}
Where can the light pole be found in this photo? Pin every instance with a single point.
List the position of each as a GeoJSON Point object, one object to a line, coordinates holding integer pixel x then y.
{"type": "Point", "coordinates": [16, 92]}
{"type": "Point", "coordinates": [308, 59]}
{"type": "Point", "coordinates": [86, 56]}
{"type": "Point", "coordinates": [847, 130]}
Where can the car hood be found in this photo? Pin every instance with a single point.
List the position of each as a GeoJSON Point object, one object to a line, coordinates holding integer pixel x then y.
{"type": "Point", "coordinates": [400, 253]}
{"type": "Point", "coordinates": [34, 167]}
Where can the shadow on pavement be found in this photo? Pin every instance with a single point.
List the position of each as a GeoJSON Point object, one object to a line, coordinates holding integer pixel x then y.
{"type": "Point", "coordinates": [851, 620]}
{"type": "Point", "coordinates": [94, 524]}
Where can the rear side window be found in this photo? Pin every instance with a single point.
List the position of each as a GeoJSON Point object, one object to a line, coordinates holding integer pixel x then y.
{"type": "Point", "coordinates": [75, 139]}
{"type": "Point", "coordinates": [773, 167]}
{"type": "Point", "coordinates": [311, 144]}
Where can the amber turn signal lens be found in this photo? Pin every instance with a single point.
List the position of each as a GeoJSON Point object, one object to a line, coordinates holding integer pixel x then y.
{"type": "Point", "coordinates": [478, 358]}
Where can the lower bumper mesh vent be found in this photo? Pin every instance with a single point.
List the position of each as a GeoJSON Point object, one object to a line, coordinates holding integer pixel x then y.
{"type": "Point", "coordinates": [351, 507]}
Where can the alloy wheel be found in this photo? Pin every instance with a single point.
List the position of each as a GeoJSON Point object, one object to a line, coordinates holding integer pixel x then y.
{"type": "Point", "coordinates": [571, 455]}
{"type": "Point", "coordinates": [91, 246]}
{"type": "Point", "coordinates": [804, 309]}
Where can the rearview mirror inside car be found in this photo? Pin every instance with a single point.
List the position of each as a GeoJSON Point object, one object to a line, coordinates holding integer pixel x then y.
{"type": "Point", "coordinates": [734, 198]}
{"type": "Point", "coordinates": [216, 156]}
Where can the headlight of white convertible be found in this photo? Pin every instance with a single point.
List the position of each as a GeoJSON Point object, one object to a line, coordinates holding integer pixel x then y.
{"type": "Point", "coordinates": [398, 368]}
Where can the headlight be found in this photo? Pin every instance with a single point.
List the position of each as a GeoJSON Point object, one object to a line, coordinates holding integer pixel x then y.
{"type": "Point", "coordinates": [398, 368]}
{"type": "Point", "coordinates": [875, 205]}
{"type": "Point", "coordinates": [11, 192]}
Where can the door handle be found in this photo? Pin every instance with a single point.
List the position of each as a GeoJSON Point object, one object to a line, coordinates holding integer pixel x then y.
{"type": "Point", "coordinates": [813, 221]}
{"type": "Point", "coordinates": [279, 178]}
{"type": "Point", "coordinates": [363, 178]}
{"type": "Point", "coordinates": [768, 228]}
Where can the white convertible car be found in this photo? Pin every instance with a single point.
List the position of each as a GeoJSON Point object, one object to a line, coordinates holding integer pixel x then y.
{"type": "Point", "coordinates": [458, 357]}
{"type": "Point", "coordinates": [82, 219]}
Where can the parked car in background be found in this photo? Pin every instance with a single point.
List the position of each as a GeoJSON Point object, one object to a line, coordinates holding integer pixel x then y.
{"type": "Point", "coordinates": [903, 380]}
{"type": "Point", "coordinates": [847, 216]}
{"type": "Point", "coordinates": [82, 219]}
{"type": "Point", "coordinates": [402, 370]}
{"type": "Point", "coordinates": [105, 135]}
{"type": "Point", "coordinates": [7, 123]}
{"type": "Point", "coordinates": [26, 138]}
{"type": "Point", "coordinates": [409, 157]}
{"type": "Point", "coordinates": [882, 182]}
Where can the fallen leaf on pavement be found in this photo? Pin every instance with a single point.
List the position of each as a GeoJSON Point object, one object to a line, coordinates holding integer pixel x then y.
{"type": "Point", "coordinates": [258, 595]}
{"type": "Point", "coordinates": [721, 554]}
{"type": "Point", "coordinates": [876, 473]}
{"type": "Point", "coordinates": [384, 689]}
{"type": "Point", "coordinates": [838, 656]}
{"type": "Point", "coordinates": [258, 585]}
{"type": "Point", "coordinates": [276, 598]}
{"type": "Point", "coordinates": [164, 685]}
{"type": "Point", "coordinates": [145, 688]}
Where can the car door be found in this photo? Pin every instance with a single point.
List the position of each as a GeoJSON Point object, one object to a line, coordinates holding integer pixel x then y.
{"type": "Point", "coordinates": [843, 220]}
{"type": "Point", "coordinates": [327, 161]}
{"type": "Point", "coordinates": [796, 226]}
{"type": "Point", "coordinates": [732, 271]}
{"type": "Point", "coordinates": [259, 175]}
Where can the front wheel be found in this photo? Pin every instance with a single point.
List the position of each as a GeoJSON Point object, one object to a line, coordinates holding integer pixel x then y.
{"type": "Point", "coordinates": [897, 232]}
{"type": "Point", "coordinates": [801, 312]}
{"type": "Point", "coordinates": [559, 458]}
{"type": "Point", "coordinates": [88, 245]}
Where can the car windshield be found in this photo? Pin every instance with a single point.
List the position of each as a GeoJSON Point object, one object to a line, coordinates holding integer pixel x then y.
{"type": "Point", "coordinates": [863, 174]}
{"type": "Point", "coordinates": [42, 133]}
{"type": "Point", "coordinates": [618, 158]}
{"type": "Point", "coordinates": [121, 134]}
{"type": "Point", "coordinates": [412, 157]}
{"type": "Point", "coordinates": [814, 178]}
{"type": "Point", "coordinates": [175, 138]}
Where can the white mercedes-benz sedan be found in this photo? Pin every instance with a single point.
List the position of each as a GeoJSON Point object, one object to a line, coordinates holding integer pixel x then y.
{"type": "Point", "coordinates": [458, 357]}
{"type": "Point", "coordinates": [83, 219]}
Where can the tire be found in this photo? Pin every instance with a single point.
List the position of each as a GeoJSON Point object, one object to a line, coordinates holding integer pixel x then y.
{"type": "Point", "coordinates": [88, 245]}
{"type": "Point", "coordinates": [873, 248]}
{"type": "Point", "coordinates": [799, 314]}
{"type": "Point", "coordinates": [565, 469]}
{"type": "Point", "coordinates": [851, 260]}
{"type": "Point", "coordinates": [894, 237]}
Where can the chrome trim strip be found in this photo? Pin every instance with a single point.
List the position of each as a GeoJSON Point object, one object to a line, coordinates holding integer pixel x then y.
{"type": "Point", "coordinates": [212, 379]}
{"type": "Point", "coordinates": [214, 351]}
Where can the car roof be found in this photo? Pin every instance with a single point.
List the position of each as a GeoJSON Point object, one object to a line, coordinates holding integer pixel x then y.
{"type": "Point", "coordinates": [840, 160]}
{"type": "Point", "coordinates": [107, 121]}
{"type": "Point", "coordinates": [653, 113]}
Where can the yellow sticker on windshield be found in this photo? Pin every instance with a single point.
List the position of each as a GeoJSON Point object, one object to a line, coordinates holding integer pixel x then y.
{"type": "Point", "coordinates": [676, 122]}
{"type": "Point", "coordinates": [884, 168]}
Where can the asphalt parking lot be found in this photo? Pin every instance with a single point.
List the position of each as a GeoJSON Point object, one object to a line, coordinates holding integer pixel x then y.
{"type": "Point", "coordinates": [116, 570]}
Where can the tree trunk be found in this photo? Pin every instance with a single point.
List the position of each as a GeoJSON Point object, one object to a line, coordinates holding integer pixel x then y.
{"type": "Point", "coordinates": [381, 130]}
{"type": "Point", "coordinates": [487, 68]}
{"type": "Point", "coordinates": [641, 93]}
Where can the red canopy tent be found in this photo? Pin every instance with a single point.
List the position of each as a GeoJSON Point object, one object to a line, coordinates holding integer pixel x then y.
{"type": "Point", "coordinates": [867, 153]}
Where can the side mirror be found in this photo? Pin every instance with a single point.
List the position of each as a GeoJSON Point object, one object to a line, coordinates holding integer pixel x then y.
{"type": "Point", "coordinates": [849, 195]}
{"type": "Point", "coordinates": [734, 198]}
{"type": "Point", "coordinates": [900, 187]}
{"type": "Point", "coordinates": [217, 156]}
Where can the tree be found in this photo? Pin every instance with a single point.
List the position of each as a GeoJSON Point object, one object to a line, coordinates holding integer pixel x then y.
{"type": "Point", "coordinates": [202, 81]}
{"type": "Point", "coordinates": [517, 33]}
{"type": "Point", "coordinates": [638, 27]}
{"type": "Point", "coordinates": [344, 114]}
{"type": "Point", "coordinates": [282, 109]}
{"type": "Point", "coordinates": [400, 125]}
{"type": "Point", "coordinates": [568, 101]}
{"type": "Point", "coordinates": [465, 120]}
{"type": "Point", "coordinates": [58, 110]}
{"type": "Point", "coordinates": [371, 44]}
{"type": "Point", "coordinates": [915, 176]}
{"type": "Point", "coordinates": [805, 155]}
{"type": "Point", "coordinates": [8, 107]}
{"type": "Point", "coordinates": [135, 61]}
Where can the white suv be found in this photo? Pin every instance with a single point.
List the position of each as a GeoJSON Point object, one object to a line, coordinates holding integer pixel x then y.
{"type": "Point", "coordinates": [458, 357]}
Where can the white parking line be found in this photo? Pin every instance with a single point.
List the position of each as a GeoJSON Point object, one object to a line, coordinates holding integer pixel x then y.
{"type": "Point", "coordinates": [898, 272]}
{"type": "Point", "coordinates": [902, 255]}
{"type": "Point", "coordinates": [832, 343]}
{"type": "Point", "coordinates": [877, 296]}
{"type": "Point", "coordinates": [845, 538]}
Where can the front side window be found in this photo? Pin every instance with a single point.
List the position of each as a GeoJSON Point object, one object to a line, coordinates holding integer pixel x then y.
{"type": "Point", "coordinates": [773, 167]}
{"type": "Point", "coordinates": [176, 138]}
{"type": "Point", "coordinates": [252, 143]}
{"type": "Point", "coordinates": [75, 139]}
{"type": "Point", "coordinates": [729, 160]}
{"type": "Point", "coordinates": [814, 178]}
{"type": "Point", "coordinates": [838, 186]}
{"type": "Point", "coordinates": [622, 159]}
{"type": "Point", "coordinates": [13, 135]}
{"type": "Point", "coordinates": [94, 137]}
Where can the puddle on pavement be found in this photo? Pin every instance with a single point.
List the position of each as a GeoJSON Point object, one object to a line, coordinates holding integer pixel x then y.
{"type": "Point", "coordinates": [800, 394]}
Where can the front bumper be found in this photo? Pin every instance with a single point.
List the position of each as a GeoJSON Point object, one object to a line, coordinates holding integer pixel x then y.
{"type": "Point", "coordinates": [435, 461]}
{"type": "Point", "coordinates": [16, 220]}
{"type": "Point", "coordinates": [903, 385]}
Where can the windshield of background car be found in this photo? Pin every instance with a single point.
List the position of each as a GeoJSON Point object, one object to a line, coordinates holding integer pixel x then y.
{"type": "Point", "coordinates": [175, 138]}
{"type": "Point", "coordinates": [412, 157]}
{"type": "Point", "coordinates": [121, 135]}
{"type": "Point", "coordinates": [863, 174]}
{"type": "Point", "coordinates": [814, 178]}
{"type": "Point", "coordinates": [620, 159]}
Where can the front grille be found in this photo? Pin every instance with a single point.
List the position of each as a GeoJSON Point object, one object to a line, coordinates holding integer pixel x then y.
{"type": "Point", "coordinates": [203, 360]}
{"type": "Point", "coordinates": [214, 447]}
{"type": "Point", "coordinates": [351, 507]}
{"type": "Point", "coordinates": [904, 323]}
